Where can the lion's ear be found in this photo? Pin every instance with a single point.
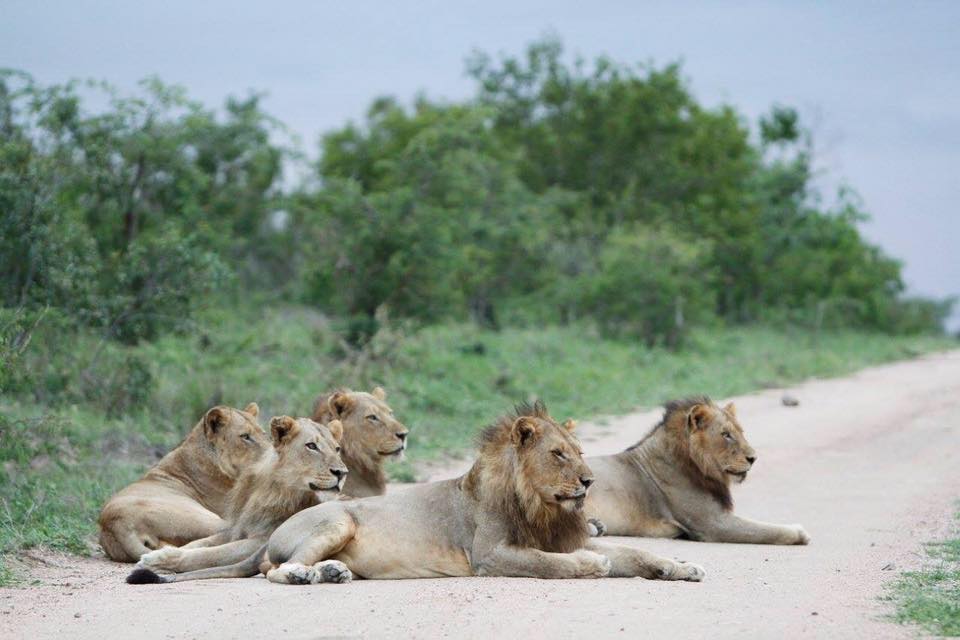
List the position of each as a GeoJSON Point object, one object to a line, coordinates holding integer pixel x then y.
{"type": "Point", "coordinates": [699, 417]}
{"type": "Point", "coordinates": [731, 409]}
{"type": "Point", "coordinates": [253, 409]}
{"type": "Point", "coordinates": [525, 429]}
{"type": "Point", "coordinates": [569, 425]}
{"type": "Point", "coordinates": [379, 394]}
{"type": "Point", "coordinates": [282, 428]}
{"type": "Point", "coordinates": [336, 429]}
{"type": "Point", "coordinates": [214, 420]}
{"type": "Point", "coordinates": [340, 403]}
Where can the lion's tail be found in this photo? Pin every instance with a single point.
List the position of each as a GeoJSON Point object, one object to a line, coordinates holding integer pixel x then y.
{"type": "Point", "coordinates": [243, 569]}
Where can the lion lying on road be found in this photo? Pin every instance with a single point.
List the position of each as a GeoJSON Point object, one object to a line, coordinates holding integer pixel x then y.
{"type": "Point", "coordinates": [517, 512]}
{"type": "Point", "coordinates": [675, 481]}
{"type": "Point", "coordinates": [181, 498]}
{"type": "Point", "coordinates": [371, 435]}
{"type": "Point", "coordinates": [303, 469]}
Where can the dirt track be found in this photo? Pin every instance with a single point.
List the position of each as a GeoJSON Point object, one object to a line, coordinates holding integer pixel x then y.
{"type": "Point", "coordinates": [869, 464]}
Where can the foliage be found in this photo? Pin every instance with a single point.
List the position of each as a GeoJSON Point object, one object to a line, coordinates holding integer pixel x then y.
{"type": "Point", "coordinates": [930, 596]}
{"type": "Point", "coordinates": [561, 158]}
{"type": "Point", "coordinates": [448, 230]}
{"type": "Point", "coordinates": [649, 285]}
{"type": "Point", "coordinates": [520, 205]}
{"type": "Point", "coordinates": [127, 217]}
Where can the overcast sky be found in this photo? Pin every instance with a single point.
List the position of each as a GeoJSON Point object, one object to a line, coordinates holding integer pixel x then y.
{"type": "Point", "coordinates": [879, 82]}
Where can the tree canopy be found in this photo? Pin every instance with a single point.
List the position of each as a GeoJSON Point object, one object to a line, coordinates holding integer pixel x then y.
{"type": "Point", "coordinates": [561, 191]}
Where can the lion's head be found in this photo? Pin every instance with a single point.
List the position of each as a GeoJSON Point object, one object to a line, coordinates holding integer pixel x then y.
{"type": "Point", "coordinates": [235, 436]}
{"type": "Point", "coordinates": [371, 433]}
{"type": "Point", "coordinates": [308, 455]}
{"type": "Point", "coordinates": [531, 472]}
{"type": "Point", "coordinates": [710, 443]}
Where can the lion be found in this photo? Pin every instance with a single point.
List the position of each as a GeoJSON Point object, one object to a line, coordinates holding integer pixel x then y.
{"type": "Point", "coordinates": [371, 435]}
{"type": "Point", "coordinates": [180, 499]}
{"type": "Point", "coordinates": [304, 468]}
{"type": "Point", "coordinates": [517, 512]}
{"type": "Point", "coordinates": [675, 482]}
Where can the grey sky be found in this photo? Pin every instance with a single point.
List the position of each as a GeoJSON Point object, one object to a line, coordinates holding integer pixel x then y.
{"type": "Point", "coordinates": [878, 81]}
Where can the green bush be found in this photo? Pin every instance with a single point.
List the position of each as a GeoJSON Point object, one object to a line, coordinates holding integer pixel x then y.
{"type": "Point", "coordinates": [155, 285]}
{"type": "Point", "coordinates": [649, 285]}
{"type": "Point", "coordinates": [128, 217]}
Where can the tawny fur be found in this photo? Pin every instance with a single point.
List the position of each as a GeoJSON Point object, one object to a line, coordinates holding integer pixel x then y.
{"type": "Point", "coordinates": [367, 443]}
{"type": "Point", "coordinates": [502, 482]}
{"type": "Point", "coordinates": [675, 482]}
{"type": "Point", "coordinates": [301, 470]}
{"type": "Point", "coordinates": [691, 455]}
{"type": "Point", "coordinates": [183, 496]}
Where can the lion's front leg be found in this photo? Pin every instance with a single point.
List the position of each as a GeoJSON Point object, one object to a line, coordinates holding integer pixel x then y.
{"type": "Point", "coordinates": [162, 559]}
{"type": "Point", "coordinates": [730, 528]}
{"type": "Point", "coordinates": [299, 551]}
{"type": "Point", "coordinates": [180, 560]}
{"type": "Point", "coordinates": [222, 537]}
{"type": "Point", "coordinates": [627, 562]}
{"type": "Point", "coordinates": [511, 561]}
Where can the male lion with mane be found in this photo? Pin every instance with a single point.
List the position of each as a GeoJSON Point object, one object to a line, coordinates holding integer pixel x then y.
{"type": "Point", "coordinates": [675, 482]}
{"type": "Point", "coordinates": [371, 436]}
{"type": "Point", "coordinates": [182, 497]}
{"type": "Point", "coordinates": [303, 469]}
{"type": "Point", "coordinates": [517, 512]}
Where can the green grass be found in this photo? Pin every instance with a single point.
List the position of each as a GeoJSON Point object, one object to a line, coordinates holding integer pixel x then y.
{"type": "Point", "coordinates": [65, 447]}
{"type": "Point", "coordinates": [930, 597]}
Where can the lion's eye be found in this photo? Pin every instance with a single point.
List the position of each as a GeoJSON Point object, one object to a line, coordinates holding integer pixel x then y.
{"type": "Point", "coordinates": [558, 453]}
{"type": "Point", "coordinates": [247, 437]}
{"type": "Point", "coordinates": [312, 446]}
{"type": "Point", "coordinates": [338, 449]}
{"type": "Point", "coordinates": [726, 434]}
{"type": "Point", "coordinates": [373, 418]}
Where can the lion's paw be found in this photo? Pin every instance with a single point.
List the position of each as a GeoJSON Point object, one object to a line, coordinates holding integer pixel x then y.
{"type": "Point", "coordinates": [301, 575]}
{"type": "Point", "coordinates": [597, 528]}
{"type": "Point", "coordinates": [591, 564]}
{"type": "Point", "coordinates": [333, 571]}
{"type": "Point", "coordinates": [802, 536]}
{"type": "Point", "coordinates": [688, 571]}
{"type": "Point", "coordinates": [293, 573]}
{"type": "Point", "coordinates": [164, 558]}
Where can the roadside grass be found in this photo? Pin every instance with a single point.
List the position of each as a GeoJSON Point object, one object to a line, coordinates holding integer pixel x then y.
{"type": "Point", "coordinates": [63, 453]}
{"type": "Point", "coordinates": [930, 597]}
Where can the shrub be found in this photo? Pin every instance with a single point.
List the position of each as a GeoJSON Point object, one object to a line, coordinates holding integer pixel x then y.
{"type": "Point", "coordinates": [650, 285]}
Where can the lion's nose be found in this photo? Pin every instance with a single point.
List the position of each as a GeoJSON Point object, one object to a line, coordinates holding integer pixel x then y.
{"type": "Point", "coordinates": [402, 436]}
{"type": "Point", "coordinates": [751, 459]}
{"type": "Point", "coordinates": [586, 482]}
{"type": "Point", "coordinates": [339, 473]}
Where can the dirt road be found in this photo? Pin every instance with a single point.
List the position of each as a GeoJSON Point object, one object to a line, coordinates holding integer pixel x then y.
{"type": "Point", "coordinates": [869, 464]}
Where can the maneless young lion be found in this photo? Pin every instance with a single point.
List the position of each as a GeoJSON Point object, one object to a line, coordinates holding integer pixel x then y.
{"type": "Point", "coordinates": [517, 512]}
{"type": "Point", "coordinates": [371, 435]}
{"type": "Point", "coordinates": [181, 498]}
{"type": "Point", "coordinates": [304, 468]}
{"type": "Point", "coordinates": [675, 482]}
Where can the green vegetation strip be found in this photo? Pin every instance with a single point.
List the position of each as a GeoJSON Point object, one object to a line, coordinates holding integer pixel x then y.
{"type": "Point", "coordinates": [930, 597]}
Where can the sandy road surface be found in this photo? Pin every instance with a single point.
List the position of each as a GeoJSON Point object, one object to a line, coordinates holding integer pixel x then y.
{"type": "Point", "coordinates": [869, 464]}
